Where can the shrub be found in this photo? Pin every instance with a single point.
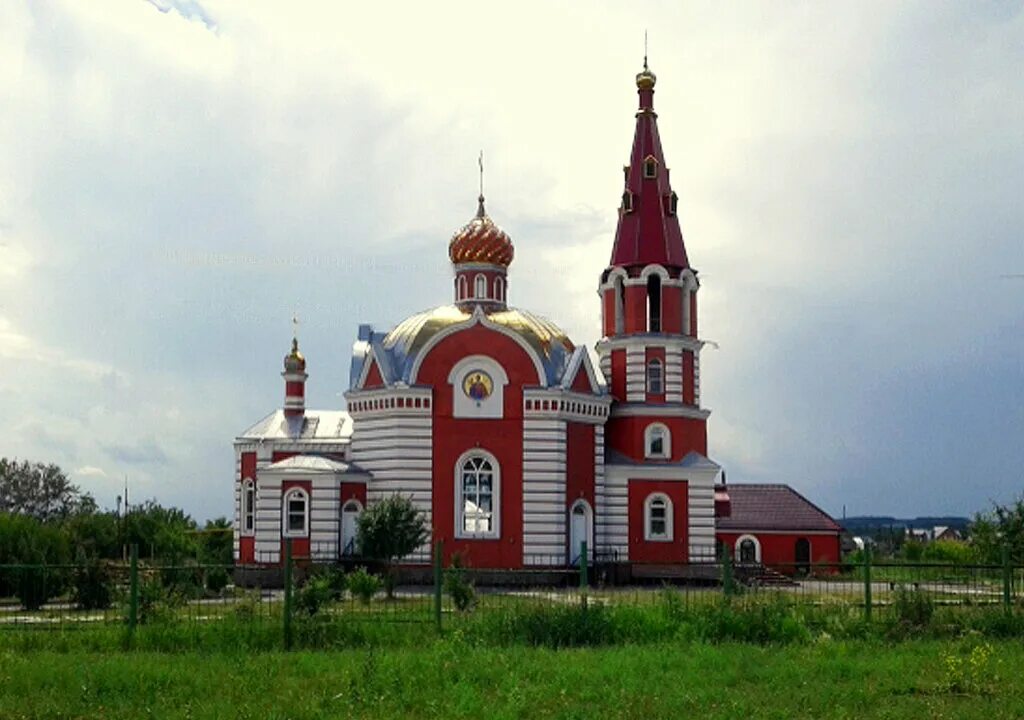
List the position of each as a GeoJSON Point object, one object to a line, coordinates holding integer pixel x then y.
{"type": "Point", "coordinates": [390, 529]}
{"type": "Point", "coordinates": [914, 609]}
{"type": "Point", "coordinates": [312, 596]}
{"type": "Point", "coordinates": [363, 585]}
{"type": "Point", "coordinates": [93, 585]}
{"type": "Point", "coordinates": [33, 586]}
{"type": "Point", "coordinates": [459, 589]}
{"type": "Point", "coordinates": [157, 602]}
{"type": "Point", "coordinates": [217, 578]}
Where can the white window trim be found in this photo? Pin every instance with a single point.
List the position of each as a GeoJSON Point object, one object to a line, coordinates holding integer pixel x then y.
{"type": "Point", "coordinates": [462, 287]}
{"type": "Point", "coordinates": [669, 529]}
{"type": "Point", "coordinates": [495, 531]}
{"type": "Point", "coordinates": [499, 289]}
{"type": "Point", "coordinates": [352, 502]}
{"type": "Point", "coordinates": [480, 286]}
{"type": "Point", "coordinates": [589, 513]}
{"type": "Point", "coordinates": [661, 377]}
{"type": "Point", "coordinates": [757, 547]}
{"type": "Point", "coordinates": [650, 161]}
{"type": "Point", "coordinates": [666, 445]}
{"type": "Point", "coordinates": [248, 509]}
{"type": "Point", "coordinates": [285, 532]}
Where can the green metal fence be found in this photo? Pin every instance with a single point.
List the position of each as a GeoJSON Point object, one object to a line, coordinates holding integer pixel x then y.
{"type": "Point", "coordinates": [200, 604]}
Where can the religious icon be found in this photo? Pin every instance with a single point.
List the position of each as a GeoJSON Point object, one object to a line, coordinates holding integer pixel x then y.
{"type": "Point", "coordinates": [478, 385]}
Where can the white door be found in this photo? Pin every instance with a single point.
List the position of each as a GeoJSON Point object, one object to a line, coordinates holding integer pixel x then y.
{"type": "Point", "coordinates": [579, 532]}
{"type": "Point", "coordinates": [349, 525]}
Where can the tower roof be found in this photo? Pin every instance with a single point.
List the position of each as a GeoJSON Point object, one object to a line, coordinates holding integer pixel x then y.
{"type": "Point", "coordinates": [648, 230]}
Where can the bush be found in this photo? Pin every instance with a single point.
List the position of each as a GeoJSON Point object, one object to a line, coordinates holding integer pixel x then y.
{"type": "Point", "coordinates": [217, 578]}
{"type": "Point", "coordinates": [33, 586]}
{"type": "Point", "coordinates": [363, 585]}
{"type": "Point", "coordinates": [914, 609]}
{"type": "Point", "coordinates": [459, 589]}
{"type": "Point", "coordinates": [157, 602]}
{"type": "Point", "coordinates": [312, 596]}
{"type": "Point", "coordinates": [93, 585]}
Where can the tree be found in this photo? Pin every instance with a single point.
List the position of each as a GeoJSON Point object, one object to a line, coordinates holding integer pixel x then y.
{"type": "Point", "coordinates": [391, 529]}
{"type": "Point", "coordinates": [40, 491]}
{"type": "Point", "coordinates": [1003, 526]}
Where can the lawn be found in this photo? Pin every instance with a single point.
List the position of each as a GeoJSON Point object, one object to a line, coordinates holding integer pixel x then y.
{"type": "Point", "coordinates": [453, 679]}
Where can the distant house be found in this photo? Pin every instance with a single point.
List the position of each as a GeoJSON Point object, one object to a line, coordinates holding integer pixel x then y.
{"type": "Point", "coordinates": [774, 525]}
{"type": "Point", "coordinates": [944, 532]}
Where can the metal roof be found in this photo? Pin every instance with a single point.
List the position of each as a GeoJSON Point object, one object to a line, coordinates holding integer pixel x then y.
{"type": "Point", "coordinates": [313, 425]}
{"type": "Point", "coordinates": [313, 464]}
{"type": "Point", "coordinates": [772, 507]}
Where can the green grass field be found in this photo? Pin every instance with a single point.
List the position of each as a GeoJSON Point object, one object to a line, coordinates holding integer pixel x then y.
{"type": "Point", "coordinates": [452, 679]}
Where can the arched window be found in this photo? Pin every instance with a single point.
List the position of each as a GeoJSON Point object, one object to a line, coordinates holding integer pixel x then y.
{"type": "Point", "coordinates": [650, 167]}
{"type": "Point", "coordinates": [295, 513]}
{"type": "Point", "coordinates": [657, 442]}
{"type": "Point", "coordinates": [580, 521]}
{"type": "Point", "coordinates": [481, 287]}
{"type": "Point", "coordinates": [653, 303]}
{"type": "Point", "coordinates": [462, 291]}
{"type": "Point", "coordinates": [620, 305]}
{"type": "Point", "coordinates": [627, 202]}
{"type": "Point", "coordinates": [655, 378]}
{"type": "Point", "coordinates": [350, 513]}
{"type": "Point", "coordinates": [658, 518]}
{"type": "Point", "coordinates": [499, 289]}
{"type": "Point", "coordinates": [248, 507]}
{"type": "Point", "coordinates": [748, 549]}
{"type": "Point", "coordinates": [673, 204]}
{"type": "Point", "coordinates": [477, 499]}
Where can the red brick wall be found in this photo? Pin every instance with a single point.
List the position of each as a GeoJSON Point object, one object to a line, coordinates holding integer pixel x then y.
{"type": "Point", "coordinates": [641, 550]}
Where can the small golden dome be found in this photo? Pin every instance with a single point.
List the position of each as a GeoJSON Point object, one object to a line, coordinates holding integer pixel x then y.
{"type": "Point", "coordinates": [645, 79]}
{"type": "Point", "coordinates": [481, 241]}
{"type": "Point", "coordinates": [294, 361]}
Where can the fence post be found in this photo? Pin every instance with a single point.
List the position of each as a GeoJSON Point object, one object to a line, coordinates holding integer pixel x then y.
{"type": "Point", "coordinates": [867, 584]}
{"type": "Point", "coordinates": [583, 573]}
{"type": "Point", "coordinates": [1007, 578]}
{"type": "Point", "coordinates": [133, 589]}
{"type": "Point", "coordinates": [438, 555]}
{"type": "Point", "coordinates": [288, 594]}
{"type": "Point", "coordinates": [727, 574]}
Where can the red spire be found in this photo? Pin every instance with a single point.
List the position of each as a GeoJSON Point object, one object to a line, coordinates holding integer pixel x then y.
{"type": "Point", "coordinates": [648, 230]}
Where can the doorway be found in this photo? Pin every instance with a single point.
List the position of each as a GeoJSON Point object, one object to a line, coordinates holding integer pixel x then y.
{"type": "Point", "coordinates": [350, 526]}
{"type": "Point", "coordinates": [579, 531]}
{"type": "Point", "coordinates": [802, 554]}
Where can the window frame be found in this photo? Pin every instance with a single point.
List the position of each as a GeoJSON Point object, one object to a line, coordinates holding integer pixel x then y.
{"type": "Point", "coordinates": [660, 366]}
{"type": "Point", "coordinates": [666, 502]}
{"type": "Point", "coordinates": [499, 289]}
{"type": "Point", "coordinates": [480, 287]}
{"type": "Point", "coordinates": [460, 505]}
{"type": "Point", "coordinates": [247, 508]}
{"type": "Point", "coordinates": [286, 499]}
{"type": "Point", "coordinates": [650, 167]}
{"type": "Point", "coordinates": [666, 444]}
{"type": "Point", "coordinates": [737, 554]}
{"type": "Point", "coordinates": [461, 287]}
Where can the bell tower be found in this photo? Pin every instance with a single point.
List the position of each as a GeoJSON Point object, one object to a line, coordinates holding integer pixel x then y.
{"type": "Point", "coordinates": [650, 352]}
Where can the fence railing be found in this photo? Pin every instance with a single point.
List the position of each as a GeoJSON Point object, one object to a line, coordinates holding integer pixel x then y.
{"type": "Point", "coordinates": [132, 597]}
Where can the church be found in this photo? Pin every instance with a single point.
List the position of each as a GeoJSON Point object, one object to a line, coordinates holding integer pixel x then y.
{"type": "Point", "coordinates": [514, 445]}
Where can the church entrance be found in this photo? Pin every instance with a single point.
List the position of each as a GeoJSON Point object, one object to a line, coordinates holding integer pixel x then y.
{"type": "Point", "coordinates": [579, 531]}
{"type": "Point", "coordinates": [349, 526]}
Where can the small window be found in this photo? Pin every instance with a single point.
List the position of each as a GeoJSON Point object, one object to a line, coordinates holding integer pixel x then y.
{"type": "Point", "coordinates": [481, 286]}
{"type": "Point", "coordinates": [650, 168]}
{"type": "Point", "coordinates": [461, 293]}
{"type": "Point", "coordinates": [499, 289]}
{"type": "Point", "coordinates": [248, 507]}
{"type": "Point", "coordinates": [673, 204]}
{"type": "Point", "coordinates": [658, 518]}
{"type": "Point", "coordinates": [657, 442]}
{"type": "Point", "coordinates": [478, 497]}
{"type": "Point", "coordinates": [655, 378]}
{"type": "Point", "coordinates": [296, 513]}
{"type": "Point", "coordinates": [748, 549]}
{"type": "Point", "coordinates": [627, 201]}
{"type": "Point", "coordinates": [653, 303]}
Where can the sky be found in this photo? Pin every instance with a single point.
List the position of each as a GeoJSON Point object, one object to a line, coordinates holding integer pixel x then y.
{"type": "Point", "coordinates": [178, 177]}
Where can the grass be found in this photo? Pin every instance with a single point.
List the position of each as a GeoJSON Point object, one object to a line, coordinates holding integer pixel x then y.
{"type": "Point", "coordinates": [454, 678]}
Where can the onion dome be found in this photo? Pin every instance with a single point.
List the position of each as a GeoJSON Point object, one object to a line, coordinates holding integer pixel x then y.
{"type": "Point", "coordinates": [294, 362]}
{"type": "Point", "coordinates": [481, 241]}
{"type": "Point", "coordinates": [645, 79]}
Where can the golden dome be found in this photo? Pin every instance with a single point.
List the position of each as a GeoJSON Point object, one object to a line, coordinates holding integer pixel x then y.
{"type": "Point", "coordinates": [481, 241]}
{"type": "Point", "coordinates": [294, 361]}
{"type": "Point", "coordinates": [645, 79]}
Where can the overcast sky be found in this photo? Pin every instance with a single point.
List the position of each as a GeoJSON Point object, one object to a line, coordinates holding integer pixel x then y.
{"type": "Point", "coordinates": [178, 176]}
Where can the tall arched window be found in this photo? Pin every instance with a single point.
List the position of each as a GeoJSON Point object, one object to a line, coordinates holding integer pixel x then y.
{"type": "Point", "coordinates": [655, 378]}
{"type": "Point", "coordinates": [748, 549]}
{"type": "Point", "coordinates": [295, 513]}
{"type": "Point", "coordinates": [653, 303]}
{"type": "Point", "coordinates": [462, 291]}
{"type": "Point", "coordinates": [658, 518]}
{"type": "Point", "coordinates": [481, 287]}
{"type": "Point", "coordinates": [248, 507]}
{"type": "Point", "coordinates": [620, 305]}
{"type": "Point", "coordinates": [657, 442]}
{"type": "Point", "coordinates": [477, 497]}
{"type": "Point", "coordinates": [499, 289]}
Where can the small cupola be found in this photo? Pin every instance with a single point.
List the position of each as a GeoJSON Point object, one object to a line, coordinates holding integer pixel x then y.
{"type": "Point", "coordinates": [294, 381]}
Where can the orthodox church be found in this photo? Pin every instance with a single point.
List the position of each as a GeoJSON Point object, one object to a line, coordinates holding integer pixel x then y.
{"type": "Point", "coordinates": [501, 430]}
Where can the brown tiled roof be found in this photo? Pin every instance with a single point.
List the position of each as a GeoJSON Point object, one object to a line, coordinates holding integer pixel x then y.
{"type": "Point", "coordinates": [773, 507]}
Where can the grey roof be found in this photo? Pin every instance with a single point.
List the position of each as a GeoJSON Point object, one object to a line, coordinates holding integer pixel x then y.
{"type": "Point", "coordinates": [314, 464]}
{"type": "Point", "coordinates": [397, 351]}
{"type": "Point", "coordinates": [772, 507]}
{"type": "Point", "coordinates": [314, 425]}
{"type": "Point", "coordinates": [692, 459]}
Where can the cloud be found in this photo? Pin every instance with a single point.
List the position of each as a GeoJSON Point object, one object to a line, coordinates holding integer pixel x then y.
{"type": "Point", "coordinates": [140, 453]}
{"type": "Point", "coordinates": [90, 471]}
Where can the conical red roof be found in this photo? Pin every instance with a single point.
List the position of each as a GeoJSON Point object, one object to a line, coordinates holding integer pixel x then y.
{"type": "Point", "coordinates": [648, 230]}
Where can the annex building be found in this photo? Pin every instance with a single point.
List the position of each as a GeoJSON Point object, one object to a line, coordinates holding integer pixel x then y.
{"type": "Point", "coordinates": [502, 431]}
